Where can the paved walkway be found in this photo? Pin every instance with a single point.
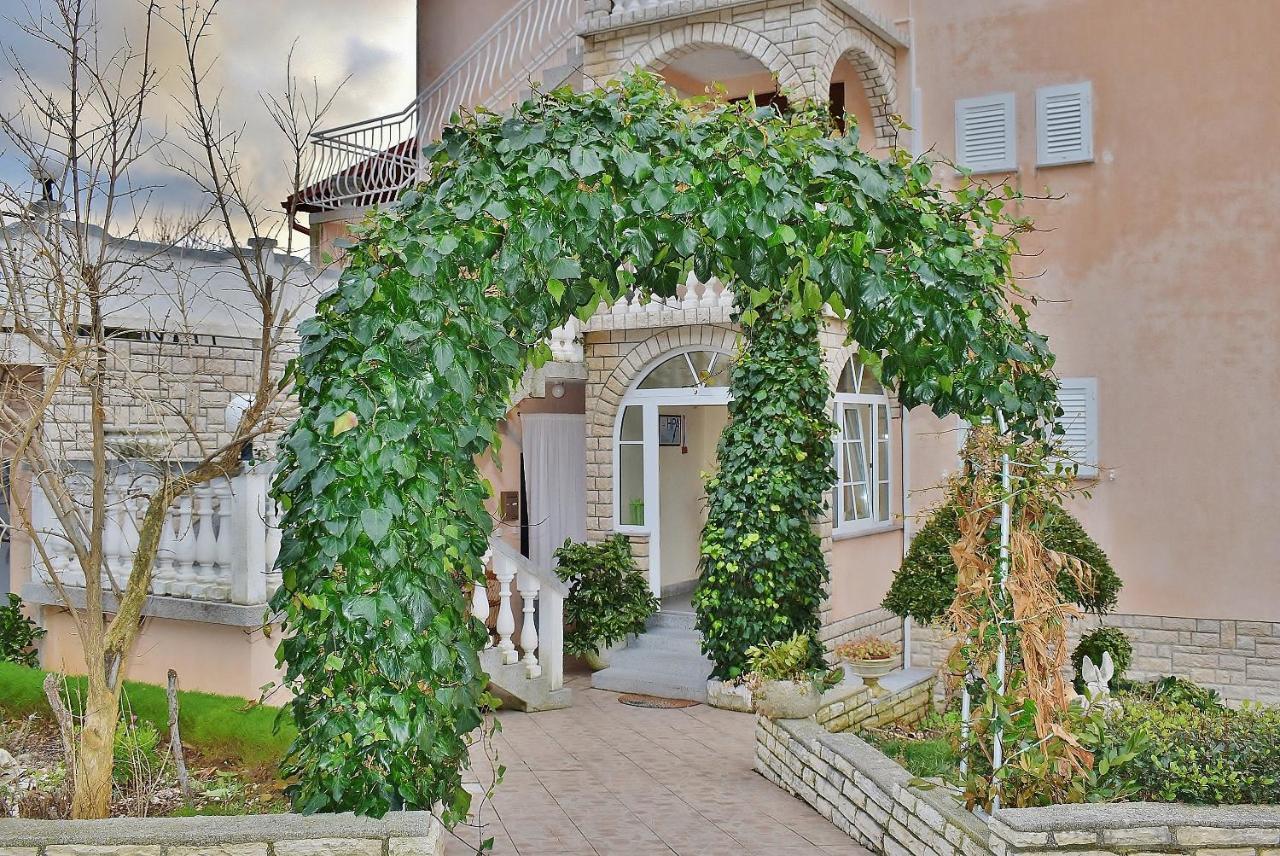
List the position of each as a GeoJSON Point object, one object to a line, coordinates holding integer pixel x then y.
{"type": "Point", "coordinates": [605, 778]}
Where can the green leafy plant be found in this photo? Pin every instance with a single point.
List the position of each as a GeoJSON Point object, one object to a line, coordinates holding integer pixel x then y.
{"type": "Point", "coordinates": [135, 750]}
{"type": "Point", "coordinates": [763, 569]}
{"type": "Point", "coordinates": [1174, 690]}
{"type": "Point", "coordinates": [1204, 754]}
{"type": "Point", "coordinates": [608, 598]}
{"type": "Point", "coordinates": [18, 634]}
{"type": "Point", "coordinates": [925, 584]}
{"type": "Point", "coordinates": [867, 647]}
{"type": "Point", "coordinates": [407, 366]}
{"type": "Point", "coordinates": [788, 660]}
{"type": "Point", "coordinates": [1092, 645]}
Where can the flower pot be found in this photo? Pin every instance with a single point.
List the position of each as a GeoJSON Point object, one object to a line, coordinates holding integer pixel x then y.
{"type": "Point", "coordinates": [871, 671]}
{"type": "Point", "coordinates": [788, 699]}
{"type": "Point", "coordinates": [600, 658]}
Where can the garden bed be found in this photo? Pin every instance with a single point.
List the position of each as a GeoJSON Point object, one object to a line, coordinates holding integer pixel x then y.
{"type": "Point", "coordinates": [888, 810]}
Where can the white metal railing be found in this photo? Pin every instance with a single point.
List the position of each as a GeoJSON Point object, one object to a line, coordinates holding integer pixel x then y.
{"type": "Point", "coordinates": [220, 541]}
{"type": "Point", "coordinates": [369, 162]}
{"type": "Point", "coordinates": [540, 645]}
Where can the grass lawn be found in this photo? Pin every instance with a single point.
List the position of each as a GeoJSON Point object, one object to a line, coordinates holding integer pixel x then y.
{"type": "Point", "coordinates": [219, 729]}
{"type": "Point", "coordinates": [925, 758]}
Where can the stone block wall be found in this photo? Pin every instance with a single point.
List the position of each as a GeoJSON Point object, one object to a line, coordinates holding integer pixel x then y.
{"type": "Point", "coordinates": [872, 800]}
{"type": "Point", "coordinates": [398, 834]}
{"type": "Point", "coordinates": [906, 700]}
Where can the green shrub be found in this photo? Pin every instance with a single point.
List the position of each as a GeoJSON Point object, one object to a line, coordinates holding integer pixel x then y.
{"type": "Point", "coordinates": [608, 597]}
{"type": "Point", "coordinates": [925, 584]}
{"type": "Point", "coordinates": [1174, 690]}
{"type": "Point", "coordinates": [1094, 643]}
{"type": "Point", "coordinates": [788, 660]}
{"type": "Point", "coordinates": [136, 750]}
{"type": "Point", "coordinates": [18, 634]}
{"type": "Point", "coordinates": [1213, 755]}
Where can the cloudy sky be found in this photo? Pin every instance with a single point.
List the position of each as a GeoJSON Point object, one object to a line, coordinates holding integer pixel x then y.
{"type": "Point", "coordinates": [369, 43]}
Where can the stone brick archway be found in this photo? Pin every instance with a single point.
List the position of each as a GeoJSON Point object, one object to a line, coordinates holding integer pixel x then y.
{"type": "Point", "coordinates": [680, 41]}
{"type": "Point", "coordinates": [875, 70]}
{"type": "Point", "coordinates": [615, 359]}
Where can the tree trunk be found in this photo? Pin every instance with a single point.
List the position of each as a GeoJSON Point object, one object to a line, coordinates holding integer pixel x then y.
{"type": "Point", "coordinates": [92, 795]}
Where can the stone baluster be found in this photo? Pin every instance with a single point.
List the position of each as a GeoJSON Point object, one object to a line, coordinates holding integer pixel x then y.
{"type": "Point", "coordinates": [691, 295]}
{"type": "Point", "coordinates": [480, 601]}
{"type": "Point", "coordinates": [113, 529]}
{"type": "Point", "coordinates": [245, 528]}
{"type": "Point", "coordinates": [505, 570]}
{"type": "Point", "coordinates": [185, 550]}
{"type": "Point", "coordinates": [709, 297]}
{"type": "Point", "coordinates": [206, 539]}
{"type": "Point", "coordinates": [528, 586]}
{"type": "Point", "coordinates": [221, 489]}
{"type": "Point", "coordinates": [272, 546]}
{"type": "Point", "coordinates": [165, 574]}
{"type": "Point", "coordinates": [726, 296]}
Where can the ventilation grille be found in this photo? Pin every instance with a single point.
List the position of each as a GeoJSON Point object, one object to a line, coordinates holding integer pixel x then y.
{"type": "Point", "coordinates": [1064, 124]}
{"type": "Point", "coordinates": [984, 133]}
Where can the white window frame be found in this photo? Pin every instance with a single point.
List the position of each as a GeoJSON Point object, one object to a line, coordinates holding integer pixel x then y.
{"type": "Point", "coordinates": [1083, 154]}
{"type": "Point", "coordinates": [881, 519]}
{"type": "Point", "coordinates": [1005, 100]}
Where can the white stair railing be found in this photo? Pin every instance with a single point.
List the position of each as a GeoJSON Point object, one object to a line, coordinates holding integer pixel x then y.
{"type": "Point", "coordinates": [541, 639]}
{"type": "Point", "coordinates": [369, 162]}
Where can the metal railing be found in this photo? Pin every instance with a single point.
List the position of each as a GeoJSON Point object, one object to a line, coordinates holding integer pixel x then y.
{"type": "Point", "coordinates": [369, 162]}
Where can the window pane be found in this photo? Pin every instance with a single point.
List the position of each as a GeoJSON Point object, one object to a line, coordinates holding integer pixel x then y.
{"type": "Point", "coordinates": [671, 373]}
{"type": "Point", "coordinates": [861, 502]}
{"type": "Point", "coordinates": [846, 504]}
{"type": "Point", "coordinates": [631, 484]}
{"type": "Point", "coordinates": [712, 367]}
{"type": "Point", "coordinates": [882, 500]}
{"type": "Point", "coordinates": [882, 442]}
{"type": "Point", "coordinates": [869, 385]}
{"type": "Point", "coordinates": [633, 423]}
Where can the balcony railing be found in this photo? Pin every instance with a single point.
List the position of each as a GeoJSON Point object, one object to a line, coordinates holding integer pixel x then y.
{"type": "Point", "coordinates": [369, 162]}
{"type": "Point", "coordinates": [219, 542]}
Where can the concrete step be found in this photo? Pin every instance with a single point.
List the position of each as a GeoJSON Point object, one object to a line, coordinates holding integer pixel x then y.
{"type": "Point", "coordinates": [687, 663]}
{"type": "Point", "coordinates": [668, 639]}
{"type": "Point", "coordinates": [511, 683]}
{"type": "Point", "coordinates": [673, 620]}
{"type": "Point", "coordinates": [620, 680]}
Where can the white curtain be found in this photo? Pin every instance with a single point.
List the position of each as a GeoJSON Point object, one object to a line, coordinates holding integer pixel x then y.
{"type": "Point", "coordinates": [555, 476]}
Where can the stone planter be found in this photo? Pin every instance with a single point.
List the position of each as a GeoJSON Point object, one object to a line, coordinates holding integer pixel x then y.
{"type": "Point", "coordinates": [788, 699]}
{"type": "Point", "coordinates": [871, 671]}
{"type": "Point", "coordinates": [601, 657]}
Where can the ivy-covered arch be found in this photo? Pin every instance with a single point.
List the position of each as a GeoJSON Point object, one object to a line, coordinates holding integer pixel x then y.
{"type": "Point", "coordinates": [407, 367]}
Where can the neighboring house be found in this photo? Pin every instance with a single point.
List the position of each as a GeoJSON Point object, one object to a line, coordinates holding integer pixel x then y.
{"type": "Point", "coordinates": [184, 351]}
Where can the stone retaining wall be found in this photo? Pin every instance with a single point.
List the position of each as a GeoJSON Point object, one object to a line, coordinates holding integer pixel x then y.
{"type": "Point", "coordinates": [398, 834]}
{"type": "Point", "coordinates": [852, 707]}
{"type": "Point", "coordinates": [880, 805]}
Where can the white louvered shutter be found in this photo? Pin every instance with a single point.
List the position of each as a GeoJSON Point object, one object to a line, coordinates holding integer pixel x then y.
{"type": "Point", "coordinates": [1078, 398]}
{"type": "Point", "coordinates": [985, 139]}
{"type": "Point", "coordinates": [1064, 124]}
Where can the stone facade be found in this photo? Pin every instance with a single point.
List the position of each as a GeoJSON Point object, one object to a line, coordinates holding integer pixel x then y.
{"type": "Point", "coordinates": [798, 42]}
{"type": "Point", "coordinates": [1236, 658]}
{"type": "Point", "coordinates": [413, 833]}
{"type": "Point", "coordinates": [874, 801]}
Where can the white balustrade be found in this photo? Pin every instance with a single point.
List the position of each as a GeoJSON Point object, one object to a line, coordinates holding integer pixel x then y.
{"type": "Point", "coordinates": [565, 342]}
{"type": "Point", "coordinates": [695, 302]}
{"type": "Point", "coordinates": [542, 593]}
{"type": "Point", "coordinates": [218, 542]}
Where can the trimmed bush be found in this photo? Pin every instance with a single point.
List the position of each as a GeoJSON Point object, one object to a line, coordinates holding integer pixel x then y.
{"type": "Point", "coordinates": [925, 585]}
{"type": "Point", "coordinates": [1212, 755]}
{"type": "Point", "coordinates": [608, 597]}
{"type": "Point", "coordinates": [1094, 643]}
{"type": "Point", "coordinates": [18, 634]}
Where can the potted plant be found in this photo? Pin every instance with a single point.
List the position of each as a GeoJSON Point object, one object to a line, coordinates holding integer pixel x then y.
{"type": "Point", "coordinates": [787, 679]}
{"type": "Point", "coordinates": [608, 598]}
{"type": "Point", "coordinates": [870, 657]}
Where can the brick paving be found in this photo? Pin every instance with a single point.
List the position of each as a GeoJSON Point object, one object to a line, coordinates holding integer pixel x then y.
{"type": "Point", "coordinates": [604, 778]}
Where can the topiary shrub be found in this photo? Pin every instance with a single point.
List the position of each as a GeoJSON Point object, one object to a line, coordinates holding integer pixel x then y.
{"type": "Point", "coordinates": [18, 634]}
{"type": "Point", "coordinates": [608, 597]}
{"type": "Point", "coordinates": [925, 585]}
{"type": "Point", "coordinates": [1094, 643]}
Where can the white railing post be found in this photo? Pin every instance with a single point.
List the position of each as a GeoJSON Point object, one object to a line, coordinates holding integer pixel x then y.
{"type": "Point", "coordinates": [528, 585]}
{"type": "Point", "coordinates": [505, 570]}
{"type": "Point", "coordinates": [551, 622]}
{"type": "Point", "coordinates": [248, 519]}
{"type": "Point", "coordinates": [480, 601]}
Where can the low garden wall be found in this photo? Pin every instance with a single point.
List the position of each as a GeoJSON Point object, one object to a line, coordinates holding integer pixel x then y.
{"type": "Point", "coordinates": [852, 707]}
{"type": "Point", "coordinates": [883, 807]}
{"type": "Point", "coordinates": [409, 833]}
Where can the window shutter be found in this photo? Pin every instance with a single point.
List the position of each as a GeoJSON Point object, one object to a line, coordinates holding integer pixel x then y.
{"type": "Point", "coordinates": [985, 140]}
{"type": "Point", "coordinates": [1064, 124]}
{"type": "Point", "coordinates": [1078, 398]}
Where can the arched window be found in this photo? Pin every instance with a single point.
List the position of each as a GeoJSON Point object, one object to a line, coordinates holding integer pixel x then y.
{"type": "Point", "coordinates": [863, 464]}
{"type": "Point", "coordinates": [689, 369]}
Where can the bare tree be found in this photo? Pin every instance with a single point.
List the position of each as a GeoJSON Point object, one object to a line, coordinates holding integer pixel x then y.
{"type": "Point", "coordinates": [102, 325]}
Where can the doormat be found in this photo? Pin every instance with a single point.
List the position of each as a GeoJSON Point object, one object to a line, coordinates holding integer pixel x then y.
{"type": "Point", "coordinates": [657, 702]}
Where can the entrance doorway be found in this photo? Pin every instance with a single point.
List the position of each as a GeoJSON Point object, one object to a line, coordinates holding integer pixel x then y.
{"type": "Point", "coordinates": [664, 441]}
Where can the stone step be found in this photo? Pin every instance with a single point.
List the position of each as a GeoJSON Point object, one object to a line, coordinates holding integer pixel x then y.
{"type": "Point", "coordinates": [673, 620]}
{"type": "Point", "coordinates": [686, 663]}
{"type": "Point", "coordinates": [668, 639]}
{"type": "Point", "coordinates": [620, 680]}
{"type": "Point", "coordinates": [511, 683]}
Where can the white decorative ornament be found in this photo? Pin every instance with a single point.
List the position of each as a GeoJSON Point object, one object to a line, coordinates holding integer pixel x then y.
{"type": "Point", "coordinates": [1097, 680]}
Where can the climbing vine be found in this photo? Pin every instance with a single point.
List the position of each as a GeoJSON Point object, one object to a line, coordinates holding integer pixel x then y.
{"type": "Point", "coordinates": [407, 367]}
{"type": "Point", "coordinates": [763, 571]}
